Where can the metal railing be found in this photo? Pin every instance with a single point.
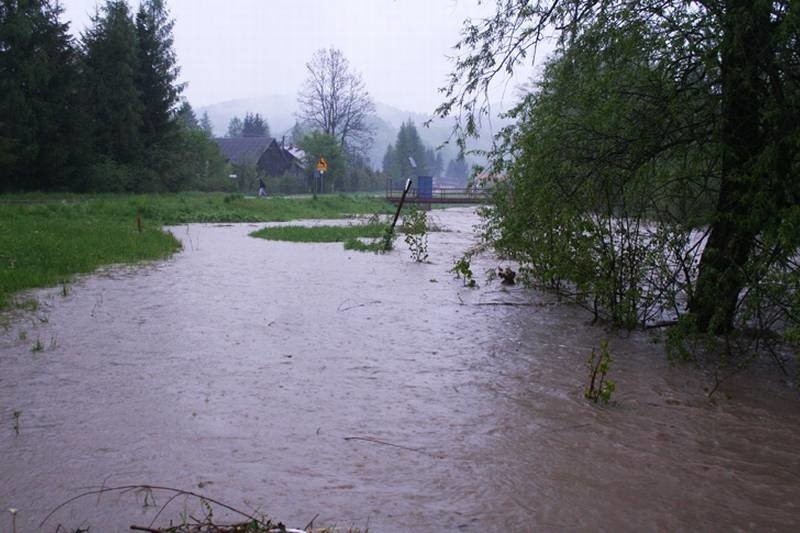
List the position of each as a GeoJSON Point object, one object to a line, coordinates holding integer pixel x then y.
{"type": "Point", "coordinates": [439, 195]}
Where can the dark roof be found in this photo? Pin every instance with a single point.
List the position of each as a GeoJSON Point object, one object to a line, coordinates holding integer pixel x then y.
{"type": "Point", "coordinates": [242, 150]}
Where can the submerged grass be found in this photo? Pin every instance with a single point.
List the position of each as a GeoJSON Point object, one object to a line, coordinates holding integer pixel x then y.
{"type": "Point", "coordinates": [48, 238]}
{"type": "Point", "coordinates": [320, 233]}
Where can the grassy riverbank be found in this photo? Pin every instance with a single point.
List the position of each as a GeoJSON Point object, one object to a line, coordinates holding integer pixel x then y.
{"type": "Point", "coordinates": [45, 239]}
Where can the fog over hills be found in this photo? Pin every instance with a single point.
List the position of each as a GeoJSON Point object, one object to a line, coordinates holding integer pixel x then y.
{"type": "Point", "coordinates": [279, 112]}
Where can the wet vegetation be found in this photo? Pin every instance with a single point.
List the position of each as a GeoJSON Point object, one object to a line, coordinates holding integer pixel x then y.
{"type": "Point", "coordinates": [381, 245]}
{"type": "Point", "coordinates": [374, 236]}
{"type": "Point", "coordinates": [599, 388]}
{"type": "Point", "coordinates": [48, 238]}
{"type": "Point", "coordinates": [320, 233]}
{"type": "Point", "coordinates": [415, 228]}
{"type": "Point", "coordinates": [650, 175]}
{"type": "Point", "coordinates": [43, 244]}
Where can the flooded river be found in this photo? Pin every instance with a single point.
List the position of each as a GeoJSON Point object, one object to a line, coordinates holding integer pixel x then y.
{"type": "Point", "coordinates": [303, 380]}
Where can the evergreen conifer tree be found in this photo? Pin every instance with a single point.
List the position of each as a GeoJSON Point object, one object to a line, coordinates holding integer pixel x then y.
{"type": "Point", "coordinates": [410, 152]}
{"type": "Point", "coordinates": [205, 125]}
{"type": "Point", "coordinates": [39, 141]}
{"type": "Point", "coordinates": [186, 117]}
{"type": "Point", "coordinates": [111, 66]}
{"type": "Point", "coordinates": [157, 72]}
{"type": "Point", "coordinates": [254, 125]}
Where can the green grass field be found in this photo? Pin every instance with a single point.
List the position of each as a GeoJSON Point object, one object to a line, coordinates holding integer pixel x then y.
{"type": "Point", "coordinates": [46, 239]}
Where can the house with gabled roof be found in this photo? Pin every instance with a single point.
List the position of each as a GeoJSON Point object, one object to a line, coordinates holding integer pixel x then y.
{"type": "Point", "coordinates": [264, 154]}
{"type": "Point", "coordinates": [245, 151]}
{"type": "Point", "coordinates": [278, 160]}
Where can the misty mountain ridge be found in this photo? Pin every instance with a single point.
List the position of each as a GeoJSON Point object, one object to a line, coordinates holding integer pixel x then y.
{"type": "Point", "coordinates": [279, 112]}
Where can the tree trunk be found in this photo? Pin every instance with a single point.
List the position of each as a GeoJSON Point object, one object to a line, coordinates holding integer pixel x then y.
{"type": "Point", "coordinates": [744, 56]}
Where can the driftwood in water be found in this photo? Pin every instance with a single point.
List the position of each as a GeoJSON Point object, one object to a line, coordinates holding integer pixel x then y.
{"type": "Point", "coordinates": [508, 276]}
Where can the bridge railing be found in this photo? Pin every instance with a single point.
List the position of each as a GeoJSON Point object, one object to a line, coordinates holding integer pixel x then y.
{"type": "Point", "coordinates": [439, 195]}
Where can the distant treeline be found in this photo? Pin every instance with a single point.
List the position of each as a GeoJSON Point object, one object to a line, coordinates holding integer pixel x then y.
{"type": "Point", "coordinates": [409, 156]}
{"type": "Point", "coordinates": [98, 113]}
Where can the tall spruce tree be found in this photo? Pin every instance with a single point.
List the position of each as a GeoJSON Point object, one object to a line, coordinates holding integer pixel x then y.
{"type": "Point", "coordinates": [408, 156]}
{"type": "Point", "coordinates": [254, 125]}
{"type": "Point", "coordinates": [205, 124]}
{"type": "Point", "coordinates": [186, 117]}
{"type": "Point", "coordinates": [39, 140]}
{"type": "Point", "coordinates": [410, 151]}
{"type": "Point", "coordinates": [111, 66]}
{"type": "Point", "coordinates": [157, 72]}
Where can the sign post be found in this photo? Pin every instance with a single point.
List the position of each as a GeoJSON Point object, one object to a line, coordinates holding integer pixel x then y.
{"type": "Point", "coordinates": [322, 168]}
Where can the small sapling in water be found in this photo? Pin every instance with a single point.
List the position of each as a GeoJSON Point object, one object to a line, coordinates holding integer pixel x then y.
{"type": "Point", "coordinates": [599, 389]}
{"type": "Point", "coordinates": [387, 240]}
{"type": "Point", "coordinates": [463, 271]}
{"type": "Point", "coordinates": [415, 228]}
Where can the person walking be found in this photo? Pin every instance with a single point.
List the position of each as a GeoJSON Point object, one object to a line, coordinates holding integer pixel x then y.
{"type": "Point", "coordinates": [262, 188]}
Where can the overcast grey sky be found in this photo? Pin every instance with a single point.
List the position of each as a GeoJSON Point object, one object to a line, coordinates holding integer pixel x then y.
{"type": "Point", "coordinates": [230, 49]}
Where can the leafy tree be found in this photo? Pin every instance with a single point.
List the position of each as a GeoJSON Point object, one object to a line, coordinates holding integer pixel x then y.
{"type": "Point", "coordinates": [586, 227]}
{"type": "Point", "coordinates": [235, 127]}
{"type": "Point", "coordinates": [360, 176]}
{"type": "Point", "coordinates": [40, 135]}
{"type": "Point", "coordinates": [197, 163]}
{"type": "Point", "coordinates": [157, 71]}
{"type": "Point", "coordinates": [335, 101]}
{"type": "Point", "coordinates": [364, 178]}
{"type": "Point", "coordinates": [317, 145]}
{"type": "Point", "coordinates": [193, 158]}
{"type": "Point", "coordinates": [697, 93]}
{"type": "Point", "coordinates": [254, 126]}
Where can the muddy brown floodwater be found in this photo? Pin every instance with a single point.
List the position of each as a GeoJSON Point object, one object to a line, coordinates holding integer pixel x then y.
{"type": "Point", "coordinates": [303, 379]}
